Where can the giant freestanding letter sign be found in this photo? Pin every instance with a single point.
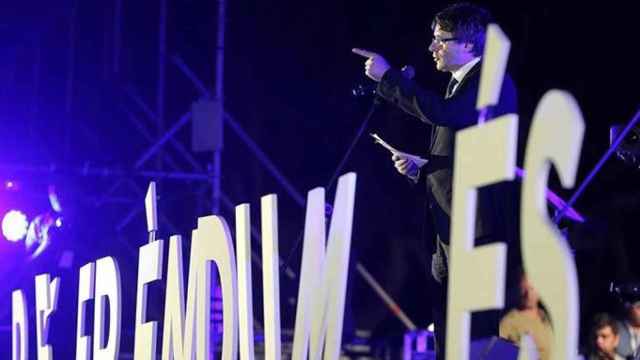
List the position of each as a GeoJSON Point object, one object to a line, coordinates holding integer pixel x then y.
{"type": "Point", "coordinates": [323, 283]}
{"type": "Point", "coordinates": [19, 326]}
{"type": "Point", "coordinates": [149, 269]}
{"type": "Point", "coordinates": [555, 137]}
{"type": "Point", "coordinates": [46, 303]}
{"type": "Point", "coordinates": [185, 335]}
{"type": "Point", "coordinates": [107, 287]}
{"type": "Point", "coordinates": [477, 275]}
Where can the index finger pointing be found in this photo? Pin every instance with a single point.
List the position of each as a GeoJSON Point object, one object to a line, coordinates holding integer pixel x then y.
{"type": "Point", "coordinates": [363, 52]}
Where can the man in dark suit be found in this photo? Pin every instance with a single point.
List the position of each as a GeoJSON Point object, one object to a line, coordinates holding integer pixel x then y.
{"type": "Point", "coordinates": [456, 47]}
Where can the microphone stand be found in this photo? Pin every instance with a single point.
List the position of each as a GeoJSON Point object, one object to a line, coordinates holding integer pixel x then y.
{"type": "Point", "coordinates": [372, 109]}
{"type": "Point", "coordinates": [409, 72]}
{"type": "Point", "coordinates": [328, 208]}
{"type": "Point", "coordinates": [386, 298]}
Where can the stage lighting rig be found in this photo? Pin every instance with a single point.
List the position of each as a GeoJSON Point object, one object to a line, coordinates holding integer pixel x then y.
{"type": "Point", "coordinates": [25, 216]}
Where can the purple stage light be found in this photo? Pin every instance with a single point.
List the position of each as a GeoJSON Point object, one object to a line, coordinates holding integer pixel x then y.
{"type": "Point", "coordinates": [14, 225]}
{"type": "Point", "coordinates": [11, 185]}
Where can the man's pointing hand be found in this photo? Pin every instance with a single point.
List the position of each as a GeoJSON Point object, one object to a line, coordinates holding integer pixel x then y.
{"type": "Point", "coordinates": [375, 66]}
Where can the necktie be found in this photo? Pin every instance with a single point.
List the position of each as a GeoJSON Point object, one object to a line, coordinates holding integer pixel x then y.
{"type": "Point", "coordinates": [434, 131]}
{"type": "Point", "coordinates": [451, 86]}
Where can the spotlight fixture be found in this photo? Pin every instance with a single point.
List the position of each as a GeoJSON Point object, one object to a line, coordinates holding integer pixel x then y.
{"type": "Point", "coordinates": [14, 225]}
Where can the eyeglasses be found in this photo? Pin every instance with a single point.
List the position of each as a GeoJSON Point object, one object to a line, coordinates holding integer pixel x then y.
{"type": "Point", "coordinates": [441, 42]}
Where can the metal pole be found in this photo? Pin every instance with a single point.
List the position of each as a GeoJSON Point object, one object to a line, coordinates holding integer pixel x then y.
{"type": "Point", "coordinates": [71, 64]}
{"type": "Point", "coordinates": [105, 48]}
{"type": "Point", "coordinates": [117, 25]}
{"type": "Point", "coordinates": [163, 138]}
{"type": "Point", "coordinates": [218, 95]}
{"type": "Point", "coordinates": [388, 300]}
{"type": "Point", "coordinates": [162, 50]}
{"type": "Point", "coordinates": [176, 144]}
{"type": "Point", "coordinates": [239, 131]}
{"type": "Point", "coordinates": [145, 133]}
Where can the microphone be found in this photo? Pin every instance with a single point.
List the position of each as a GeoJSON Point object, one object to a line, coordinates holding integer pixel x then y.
{"type": "Point", "coordinates": [361, 90]}
{"type": "Point", "coordinates": [408, 72]}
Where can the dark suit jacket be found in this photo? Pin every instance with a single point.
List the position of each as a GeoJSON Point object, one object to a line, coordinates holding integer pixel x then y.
{"type": "Point", "coordinates": [449, 115]}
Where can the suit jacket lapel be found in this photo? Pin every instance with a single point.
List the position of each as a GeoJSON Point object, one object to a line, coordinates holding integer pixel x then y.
{"type": "Point", "coordinates": [470, 74]}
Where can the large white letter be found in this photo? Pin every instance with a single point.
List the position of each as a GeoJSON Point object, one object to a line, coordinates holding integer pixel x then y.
{"type": "Point", "coordinates": [85, 293]}
{"type": "Point", "coordinates": [149, 269]}
{"type": "Point", "coordinates": [19, 326]}
{"type": "Point", "coordinates": [211, 241]}
{"type": "Point", "coordinates": [323, 282]}
{"type": "Point", "coordinates": [46, 303]}
{"type": "Point", "coordinates": [313, 254]}
{"type": "Point", "coordinates": [177, 340]}
{"type": "Point", "coordinates": [215, 244]}
{"type": "Point", "coordinates": [270, 277]}
{"type": "Point", "coordinates": [555, 137]}
{"type": "Point", "coordinates": [107, 285]}
{"type": "Point", "coordinates": [485, 155]}
{"type": "Point", "coordinates": [245, 301]}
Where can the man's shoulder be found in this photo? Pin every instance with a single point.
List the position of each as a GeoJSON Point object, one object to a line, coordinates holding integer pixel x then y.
{"type": "Point", "coordinates": [623, 329]}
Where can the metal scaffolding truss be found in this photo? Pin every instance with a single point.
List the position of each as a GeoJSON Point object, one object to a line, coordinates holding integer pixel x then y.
{"type": "Point", "coordinates": [164, 147]}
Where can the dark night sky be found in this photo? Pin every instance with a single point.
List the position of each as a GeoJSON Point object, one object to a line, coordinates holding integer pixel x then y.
{"type": "Point", "coordinates": [288, 77]}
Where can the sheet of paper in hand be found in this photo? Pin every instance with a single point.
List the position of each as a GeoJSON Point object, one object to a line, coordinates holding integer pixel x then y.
{"type": "Point", "coordinates": [415, 158]}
